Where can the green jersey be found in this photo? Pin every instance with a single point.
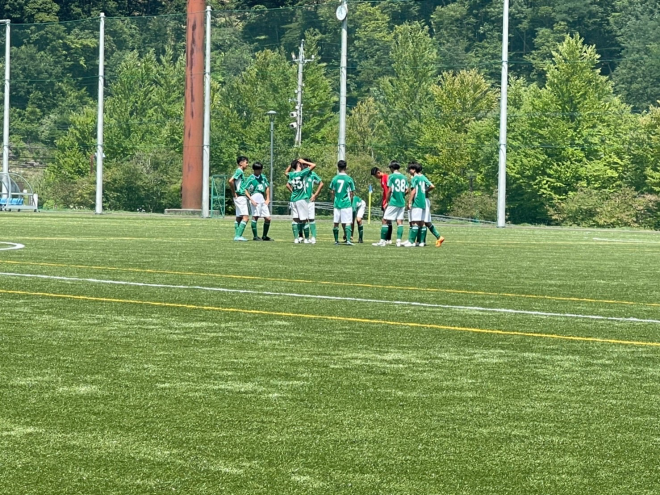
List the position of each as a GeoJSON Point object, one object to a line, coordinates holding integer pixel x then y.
{"type": "Point", "coordinates": [256, 184]}
{"type": "Point", "coordinates": [297, 183]}
{"type": "Point", "coordinates": [421, 185]}
{"type": "Point", "coordinates": [398, 184]}
{"type": "Point", "coordinates": [343, 186]}
{"type": "Point", "coordinates": [310, 181]}
{"type": "Point", "coordinates": [238, 177]}
{"type": "Point", "coordinates": [355, 204]}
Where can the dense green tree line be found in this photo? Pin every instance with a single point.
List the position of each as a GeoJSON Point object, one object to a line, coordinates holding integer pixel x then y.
{"type": "Point", "coordinates": [584, 128]}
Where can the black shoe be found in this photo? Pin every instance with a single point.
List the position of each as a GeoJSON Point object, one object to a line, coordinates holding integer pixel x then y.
{"type": "Point", "coordinates": [266, 238]}
{"type": "Point", "coordinates": [360, 241]}
{"type": "Point", "coordinates": [257, 239]}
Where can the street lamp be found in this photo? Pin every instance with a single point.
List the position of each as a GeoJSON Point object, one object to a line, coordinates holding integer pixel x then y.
{"type": "Point", "coordinates": [272, 114]}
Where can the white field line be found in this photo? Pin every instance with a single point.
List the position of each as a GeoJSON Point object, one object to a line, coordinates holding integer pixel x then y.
{"type": "Point", "coordinates": [12, 245]}
{"type": "Point", "coordinates": [625, 241]}
{"type": "Point", "coordinates": [333, 298]}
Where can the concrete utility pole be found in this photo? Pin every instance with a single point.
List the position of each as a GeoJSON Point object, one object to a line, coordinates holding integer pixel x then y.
{"type": "Point", "coordinates": [342, 15]}
{"type": "Point", "coordinates": [5, 129]}
{"type": "Point", "coordinates": [299, 92]}
{"type": "Point", "coordinates": [207, 119]}
{"type": "Point", "coordinates": [501, 180]}
{"type": "Point", "coordinates": [99, 119]}
{"type": "Point", "coordinates": [193, 126]}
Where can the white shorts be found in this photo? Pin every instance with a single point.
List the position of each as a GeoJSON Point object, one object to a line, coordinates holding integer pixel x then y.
{"type": "Point", "coordinates": [343, 215]}
{"type": "Point", "coordinates": [241, 205]}
{"type": "Point", "coordinates": [300, 209]}
{"type": "Point", "coordinates": [427, 212]}
{"type": "Point", "coordinates": [394, 213]}
{"type": "Point", "coordinates": [360, 211]}
{"type": "Point", "coordinates": [417, 214]}
{"type": "Point", "coordinates": [311, 210]}
{"type": "Point", "coordinates": [260, 211]}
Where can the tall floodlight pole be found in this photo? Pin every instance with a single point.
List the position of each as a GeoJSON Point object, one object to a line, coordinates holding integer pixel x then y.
{"type": "Point", "coordinates": [206, 167]}
{"type": "Point", "coordinates": [5, 129]}
{"type": "Point", "coordinates": [501, 181]}
{"type": "Point", "coordinates": [272, 114]}
{"type": "Point", "coordinates": [342, 14]}
{"type": "Point", "coordinates": [99, 119]}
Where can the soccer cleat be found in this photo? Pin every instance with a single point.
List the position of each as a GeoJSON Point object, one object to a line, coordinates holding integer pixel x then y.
{"type": "Point", "coordinates": [349, 243]}
{"type": "Point", "coordinates": [407, 244]}
{"type": "Point", "coordinates": [312, 240]}
{"type": "Point", "coordinates": [257, 239]}
{"type": "Point", "coordinates": [398, 243]}
{"type": "Point", "coordinates": [240, 239]}
{"type": "Point", "coordinates": [439, 242]}
{"type": "Point", "coordinates": [296, 241]}
{"type": "Point", "coordinates": [300, 239]}
{"type": "Point", "coordinates": [380, 243]}
{"type": "Point", "coordinates": [360, 241]}
{"type": "Point", "coordinates": [307, 241]}
{"type": "Point", "coordinates": [266, 238]}
{"type": "Point", "coordinates": [336, 243]}
{"type": "Point", "coordinates": [421, 244]}
{"type": "Point", "coordinates": [389, 242]}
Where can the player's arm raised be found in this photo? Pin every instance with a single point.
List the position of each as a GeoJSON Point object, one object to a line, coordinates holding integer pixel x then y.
{"type": "Point", "coordinates": [311, 165]}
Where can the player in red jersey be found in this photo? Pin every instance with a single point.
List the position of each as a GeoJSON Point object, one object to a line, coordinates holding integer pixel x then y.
{"type": "Point", "coordinates": [382, 177]}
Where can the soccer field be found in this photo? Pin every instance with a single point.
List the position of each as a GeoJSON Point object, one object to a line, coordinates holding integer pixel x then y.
{"type": "Point", "coordinates": [148, 354]}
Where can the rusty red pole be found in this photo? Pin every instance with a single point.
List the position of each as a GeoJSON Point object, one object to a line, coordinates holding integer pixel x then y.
{"type": "Point", "coordinates": [193, 126]}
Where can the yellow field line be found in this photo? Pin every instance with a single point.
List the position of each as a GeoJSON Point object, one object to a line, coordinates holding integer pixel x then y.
{"type": "Point", "coordinates": [334, 318]}
{"type": "Point", "coordinates": [323, 282]}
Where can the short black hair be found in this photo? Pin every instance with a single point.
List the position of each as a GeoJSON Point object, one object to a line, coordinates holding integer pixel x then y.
{"type": "Point", "coordinates": [341, 165]}
{"type": "Point", "coordinates": [415, 166]}
{"type": "Point", "coordinates": [375, 170]}
{"type": "Point", "coordinates": [257, 166]}
{"type": "Point", "coordinates": [294, 163]}
{"type": "Point", "coordinates": [241, 159]}
{"type": "Point", "coordinates": [394, 165]}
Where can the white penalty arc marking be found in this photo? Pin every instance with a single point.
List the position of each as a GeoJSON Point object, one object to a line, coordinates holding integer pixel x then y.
{"type": "Point", "coordinates": [334, 298]}
{"type": "Point", "coordinates": [10, 246]}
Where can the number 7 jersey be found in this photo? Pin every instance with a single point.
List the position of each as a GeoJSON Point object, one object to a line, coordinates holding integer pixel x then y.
{"type": "Point", "coordinates": [344, 187]}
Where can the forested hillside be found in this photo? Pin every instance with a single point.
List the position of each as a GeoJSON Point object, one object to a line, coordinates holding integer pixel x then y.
{"type": "Point", "coordinates": [584, 121]}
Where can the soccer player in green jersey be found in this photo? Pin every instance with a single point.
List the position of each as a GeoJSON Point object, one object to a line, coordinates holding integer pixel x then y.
{"type": "Point", "coordinates": [257, 191]}
{"type": "Point", "coordinates": [397, 186]}
{"type": "Point", "coordinates": [342, 188]}
{"type": "Point", "coordinates": [240, 201]}
{"type": "Point", "coordinates": [299, 203]}
{"type": "Point", "coordinates": [310, 181]}
{"type": "Point", "coordinates": [420, 211]}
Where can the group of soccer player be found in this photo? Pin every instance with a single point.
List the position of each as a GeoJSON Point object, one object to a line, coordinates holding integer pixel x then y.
{"type": "Point", "coordinates": [396, 189]}
{"type": "Point", "coordinates": [305, 186]}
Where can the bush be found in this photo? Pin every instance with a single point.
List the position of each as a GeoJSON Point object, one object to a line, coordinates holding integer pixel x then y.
{"type": "Point", "coordinates": [475, 205]}
{"type": "Point", "coordinates": [621, 208]}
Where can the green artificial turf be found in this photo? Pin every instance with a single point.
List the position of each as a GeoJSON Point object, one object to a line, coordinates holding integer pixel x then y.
{"type": "Point", "coordinates": [102, 393]}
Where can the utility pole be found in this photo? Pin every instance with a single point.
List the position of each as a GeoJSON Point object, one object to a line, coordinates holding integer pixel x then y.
{"type": "Point", "coordinates": [501, 179]}
{"type": "Point", "coordinates": [206, 158]}
{"type": "Point", "coordinates": [99, 119]}
{"type": "Point", "coordinates": [5, 129]}
{"type": "Point", "coordinates": [342, 14]}
{"type": "Point", "coordinates": [298, 113]}
{"type": "Point", "coordinates": [193, 121]}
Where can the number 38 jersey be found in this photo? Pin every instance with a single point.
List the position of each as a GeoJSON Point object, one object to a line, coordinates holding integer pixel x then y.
{"type": "Point", "coordinates": [343, 186]}
{"type": "Point", "coordinates": [399, 185]}
{"type": "Point", "coordinates": [297, 183]}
